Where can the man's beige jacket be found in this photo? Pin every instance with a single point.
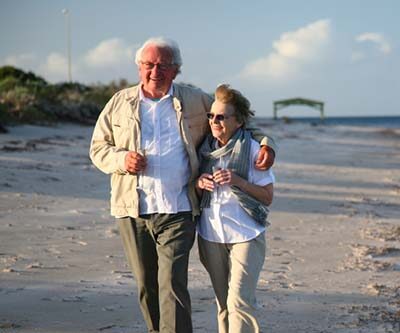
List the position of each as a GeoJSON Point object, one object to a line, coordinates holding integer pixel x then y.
{"type": "Point", "coordinates": [117, 131]}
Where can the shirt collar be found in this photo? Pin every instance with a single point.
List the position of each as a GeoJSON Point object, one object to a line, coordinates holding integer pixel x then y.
{"type": "Point", "coordinates": [143, 98]}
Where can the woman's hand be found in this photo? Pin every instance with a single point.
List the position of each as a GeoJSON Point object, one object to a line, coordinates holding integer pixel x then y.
{"type": "Point", "coordinates": [262, 193]}
{"type": "Point", "coordinates": [205, 182]}
{"type": "Point", "coordinates": [227, 177]}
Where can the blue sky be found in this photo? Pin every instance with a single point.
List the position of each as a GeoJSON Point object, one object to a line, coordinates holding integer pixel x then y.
{"type": "Point", "coordinates": [343, 52]}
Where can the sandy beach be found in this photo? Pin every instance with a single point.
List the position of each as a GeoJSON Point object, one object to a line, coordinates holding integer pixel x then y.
{"type": "Point", "coordinates": [333, 262]}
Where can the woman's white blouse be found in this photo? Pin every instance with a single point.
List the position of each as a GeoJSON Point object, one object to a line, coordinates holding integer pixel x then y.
{"type": "Point", "coordinates": [226, 221]}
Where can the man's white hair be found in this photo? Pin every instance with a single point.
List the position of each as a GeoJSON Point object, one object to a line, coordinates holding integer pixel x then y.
{"type": "Point", "coordinates": [161, 42]}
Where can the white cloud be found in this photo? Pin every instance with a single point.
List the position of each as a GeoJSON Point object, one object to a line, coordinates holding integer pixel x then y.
{"type": "Point", "coordinates": [110, 60]}
{"type": "Point", "coordinates": [56, 63]}
{"type": "Point", "coordinates": [110, 52]}
{"type": "Point", "coordinates": [292, 51]}
{"type": "Point", "coordinates": [376, 38]}
{"type": "Point", "coordinates": [55, 68]}
{"type": "Point", "coordinates": [24, 60]}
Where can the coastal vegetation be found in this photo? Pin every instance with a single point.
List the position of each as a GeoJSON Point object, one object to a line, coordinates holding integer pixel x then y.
{"type": "Point", "coordinates": [26, 98]}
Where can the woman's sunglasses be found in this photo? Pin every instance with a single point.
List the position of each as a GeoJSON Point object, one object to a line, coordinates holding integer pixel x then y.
{"type": "Point", "coordinates": [219, 117]}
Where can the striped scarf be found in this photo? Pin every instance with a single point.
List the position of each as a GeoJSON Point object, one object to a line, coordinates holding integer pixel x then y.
{"type": "Point", "coordinates": [238, 147]}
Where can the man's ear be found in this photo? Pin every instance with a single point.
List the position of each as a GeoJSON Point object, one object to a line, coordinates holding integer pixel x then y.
{"type": "Point", "coordinates": [176, 72]}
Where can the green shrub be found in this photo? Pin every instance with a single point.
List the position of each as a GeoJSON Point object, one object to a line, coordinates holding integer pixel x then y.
{"type": "Point", "coordinates": [26, 97]}
{"type": "Point", "coordinates": [21, 76]}
{"type": "Point", "coordinates": [5, 117]}
{"type": "Point", "coordinates": [8, 83]}
{"type": "Point", "coordinates": [32, 115]}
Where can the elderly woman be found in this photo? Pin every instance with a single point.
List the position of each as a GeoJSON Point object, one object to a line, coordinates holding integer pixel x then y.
{"type": "Point", "coordinates": [234, 204]}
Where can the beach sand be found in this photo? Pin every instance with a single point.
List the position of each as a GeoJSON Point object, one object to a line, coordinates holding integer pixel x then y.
{"type": "Point", "coordinates": [333, 261]}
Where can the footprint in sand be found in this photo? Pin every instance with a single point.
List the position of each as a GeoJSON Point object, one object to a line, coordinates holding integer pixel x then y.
{"type": "Point", "coordinates": [384, 232]}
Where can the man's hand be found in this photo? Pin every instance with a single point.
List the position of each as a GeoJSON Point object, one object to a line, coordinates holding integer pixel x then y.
{"type": "Point", "coordinates": [205, 182]}
{"type": "Point", "coordinates": [265, 158]}
{"type": "Point", "coordinates": [134, 162]}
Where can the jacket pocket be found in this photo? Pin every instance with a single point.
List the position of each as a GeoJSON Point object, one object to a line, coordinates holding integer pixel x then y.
{"type": "Point", "coordinates": [198, 127]}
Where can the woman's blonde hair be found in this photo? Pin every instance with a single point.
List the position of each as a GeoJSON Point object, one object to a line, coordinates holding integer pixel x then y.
{"type": "Point", "coordinates": [225, 94]}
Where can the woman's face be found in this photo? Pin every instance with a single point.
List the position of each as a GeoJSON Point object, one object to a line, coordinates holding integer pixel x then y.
{"type": "Point", "coordinates": [222, 122]}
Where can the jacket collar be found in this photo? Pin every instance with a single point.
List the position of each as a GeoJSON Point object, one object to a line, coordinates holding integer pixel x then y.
{"type": "Point", "coordinates": [132, 96]}
{"type": "Point", "coordinates": [176, 98]}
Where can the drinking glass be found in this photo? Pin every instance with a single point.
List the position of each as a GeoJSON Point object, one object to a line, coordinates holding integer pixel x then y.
{"type": "Point", "coordinates": [141, 174]}
{"type": "Point", "coordinates": [220, 165]}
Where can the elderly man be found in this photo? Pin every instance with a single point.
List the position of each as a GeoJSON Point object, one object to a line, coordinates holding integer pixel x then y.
{"type": "Point", "coordinates": [146, 138]}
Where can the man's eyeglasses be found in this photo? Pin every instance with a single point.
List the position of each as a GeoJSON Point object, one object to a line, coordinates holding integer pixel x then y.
{"type": "Point", "coordinates": [219, 117]}
{"type": "Point", "coordinates": [150, 65]}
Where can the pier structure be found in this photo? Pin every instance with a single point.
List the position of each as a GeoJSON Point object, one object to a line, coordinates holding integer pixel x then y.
{"type": "Point", "coordinates": [298, 101]}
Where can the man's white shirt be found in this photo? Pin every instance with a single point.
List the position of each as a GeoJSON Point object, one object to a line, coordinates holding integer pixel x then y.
{"type": "Point", "coordinates": [162, 186]}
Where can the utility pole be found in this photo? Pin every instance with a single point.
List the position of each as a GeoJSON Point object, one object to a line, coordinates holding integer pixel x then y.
{"type": "Point", "coordinates": [68, 31]}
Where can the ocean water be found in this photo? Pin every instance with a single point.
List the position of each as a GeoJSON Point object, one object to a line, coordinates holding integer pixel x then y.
{"type": "Point", "coordinates": [371, 121]}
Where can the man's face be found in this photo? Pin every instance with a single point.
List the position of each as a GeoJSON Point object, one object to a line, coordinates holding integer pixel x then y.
{"type": "Point", "coordinates": [156, 71]}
